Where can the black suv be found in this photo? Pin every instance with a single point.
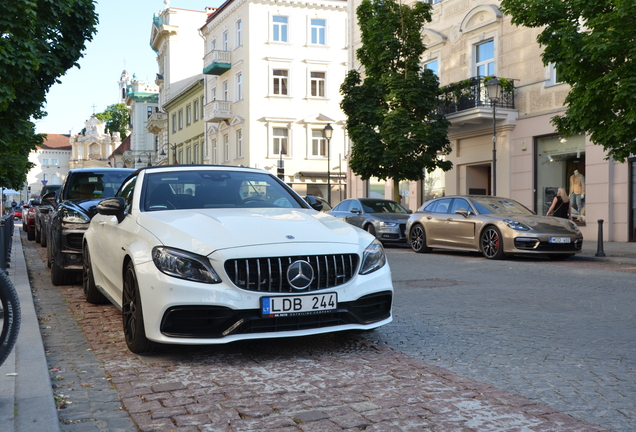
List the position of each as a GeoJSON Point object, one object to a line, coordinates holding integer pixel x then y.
{"type": "Point", "coordinates": [42, 210]}
{"type": "Point", "coordinates": [73, 208]}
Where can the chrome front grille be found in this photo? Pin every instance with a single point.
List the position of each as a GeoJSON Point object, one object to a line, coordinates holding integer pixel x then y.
{"type": "Point", "coordinates": [270, 274]}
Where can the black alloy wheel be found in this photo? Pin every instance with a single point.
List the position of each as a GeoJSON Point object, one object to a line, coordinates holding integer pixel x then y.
{"type": "Point", "coordinates": [492, 244]}
{"type": "Point", "coordinates": [132, 314]}
{"type": "Point", "coordinates": [91, 294]}
{"type": "Point", "coordinates": [417, 239]}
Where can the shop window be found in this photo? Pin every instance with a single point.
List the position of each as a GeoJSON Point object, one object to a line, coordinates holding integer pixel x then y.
{"type": "Point", "coordinates": [560, 162]}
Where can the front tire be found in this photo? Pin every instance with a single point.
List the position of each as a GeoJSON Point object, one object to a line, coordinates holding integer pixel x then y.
{"type": "Point", "coordinates": [38, 235]}
{"type": "Point", "coordinates": [132, 314]}
{"type": "Point", "coordinates": [91, 294]}
{"type": "Point", "coordinates": [492, 244]}
{"type": "Point", "coordinates": [30, 235]}
{"type": "Point", "coordinates": [417, 239]}
{"type": "Point", "coordinates": [371, 229]}
{"type": "Point", "coordinates": [58, 275]}
{"type": "Point", "coordinates": [10, 316]}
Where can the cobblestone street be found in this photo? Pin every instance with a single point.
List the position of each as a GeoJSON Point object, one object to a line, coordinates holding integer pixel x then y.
{"type": "Point", "coordinates": [328, 383]}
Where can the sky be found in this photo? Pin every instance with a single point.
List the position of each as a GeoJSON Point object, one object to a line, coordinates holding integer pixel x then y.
{"type": "Point", "coordinates": [122, 42]}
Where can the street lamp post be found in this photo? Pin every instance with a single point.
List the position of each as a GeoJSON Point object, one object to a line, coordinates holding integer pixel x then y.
{"type": "Point", "coordinates": [149, 158]}
{"type": "Point", "coordinates": [328, 133]}
{"type": "Point", "coordinates": [494, 94]}
{"type": "Point", "coordinates": [172, 147]}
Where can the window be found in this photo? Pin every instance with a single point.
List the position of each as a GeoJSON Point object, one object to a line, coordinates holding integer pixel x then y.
{"type": "Point", "coordinates": [226, 147]}
{"type": "Point", "coordinates": [485, 58]}
{"type": "Point", "coordinates": [174, 123]}
{"type": "Point", "coordinates": [196, 153]}
{"type": "Point", "coordinates": [213, 45]}
{"type": "Point", "coordinates": [239, 144]}
{"type": "Point", "coordinates": [239, 86]}
{"type": "Point", "coordinates": [318, 84]}
{"type": "Point", "coordinates": [149, 110]}
{"type": "Point", "coordinates": [215, 160]}
{"type": "Point", "coordinates": [213, 94]}
{"type": "Point", "coordinates": [280, 81]}
{"type": "Point", "coordinates": [226, 42]}
{"type": "Point", "coordinates": [44, 177]}
{"type": "Point", "coordinates": [239, 37]}
{"type": "Point", "coordinates": [201, 106]}
{"type": "Point", "coordinates": [553, 79]}
{"type": "Point", "coordinates": [188, 115]}
{"type": "Point", "coordinates": [279, 29]}
{"type": "Point", "coordinates": [318, 31]}
{"type": "Point", "coordinates": [45, 161]}
{"type": "Point", "coordinates": [226, 91]}
{"type": "Point", "coordinates": [318, 143]}
{"type": "Point", "coordinates": [188, 155]}
{"type": "Point", "coordinates": [195, 109]}
{"type": "Point", "coordinates": [54, 162]}
{"type": "Point", "coordinates": [433, 66]}
{"type": "Point", "coordinates": [180, 119]}
{"type": "Point", "coordinates": [280, 136]}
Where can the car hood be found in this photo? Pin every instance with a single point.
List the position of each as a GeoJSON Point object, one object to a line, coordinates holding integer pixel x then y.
{"type": "Point", "coordinates": [543, 223]}
{"type": "Point", "coordinates": [393, 217]}
{"type": "Point", "coordinates": [206, 231]}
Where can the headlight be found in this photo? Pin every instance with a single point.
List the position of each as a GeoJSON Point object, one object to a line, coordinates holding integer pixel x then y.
{"type": "Point", "coordinates": [184, 265]}
{"type": "Point", "coordinates": [516, 225]}
{"type": "Point", "coordinates": [574, 227]}
{"type": "Point", "coordinates": [388, 224]}
{"type": "Point", "coordinates": [373, 258]}
{"type": "Point", "coordinates": [72, 216]}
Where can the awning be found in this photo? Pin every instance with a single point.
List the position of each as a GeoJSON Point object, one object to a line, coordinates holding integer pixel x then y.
{"type": "Point", "coordinates": [320, 174]}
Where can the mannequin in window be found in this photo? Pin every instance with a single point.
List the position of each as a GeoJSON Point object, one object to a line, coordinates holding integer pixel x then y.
{"type": "Point", "coordinates": [577, 191]}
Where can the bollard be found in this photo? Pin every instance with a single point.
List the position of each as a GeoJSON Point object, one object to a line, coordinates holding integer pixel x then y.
{"type": "Point", "coordinates": [599, 248]}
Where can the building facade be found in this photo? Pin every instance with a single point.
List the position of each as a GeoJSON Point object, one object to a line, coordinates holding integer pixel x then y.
{"type": "Point", "coordinates": [470, 40]}
{"type": "Point", "coordinates": [273, 72]}
{"type": "Point", "coordinates": [51, 161]}
{"type": "Point", "coordinates": [178, 121]}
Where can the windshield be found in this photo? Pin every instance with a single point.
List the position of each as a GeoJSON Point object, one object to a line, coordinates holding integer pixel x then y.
{"type": "Point", "coordinates": [499, 206]}
{"type": "Point", "coordinates": [89, 184]}
{"type": "Point", "coordinates": [178, 190]}
{"type": "Point", "coordinates": [382, 206]}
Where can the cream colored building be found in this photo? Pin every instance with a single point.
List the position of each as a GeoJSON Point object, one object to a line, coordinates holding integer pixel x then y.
{"type": "Point", "coordinates": [178, 122]}
{"type": "Point", "coordinates": [94, 147]}
{"type": "Point", "coordinates": [273, 72]}
{"type": "Point", "coordinates": [470, 39]}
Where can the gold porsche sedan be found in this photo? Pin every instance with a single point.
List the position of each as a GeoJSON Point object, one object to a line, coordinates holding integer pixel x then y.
{"type": "Point", "coordinates": [493, 226]}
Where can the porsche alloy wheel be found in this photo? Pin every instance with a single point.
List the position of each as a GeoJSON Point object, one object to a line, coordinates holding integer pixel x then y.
{"type": "Point", "coordinates": [417, 239]}
{"type": "Point", "coordinates": [132, 314]}
{"type": "Point", "coordinates": [492, 243]}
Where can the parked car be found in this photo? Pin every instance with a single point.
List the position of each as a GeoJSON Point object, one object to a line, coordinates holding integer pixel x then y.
{"type": "Point", "coordinates": [73, 208]}
{"type": "Point", "coordinates": [383, 218]}
{"type": "Point", "coordinates": [17, 213]}
{"type": "Point", "coordinates": [493, 226]}
{"type": "Point", "coordinates": [43, 206]}
{"type": "Point", "coordinates": [28, 219]}
{"type": "Point", "coordinates": [241, 256]}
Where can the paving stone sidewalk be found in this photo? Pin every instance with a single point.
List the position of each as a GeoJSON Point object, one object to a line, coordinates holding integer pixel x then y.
{"type": "Point", "coordinates": [338, 382]}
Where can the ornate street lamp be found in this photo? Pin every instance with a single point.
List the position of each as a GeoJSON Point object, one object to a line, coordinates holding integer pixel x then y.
{"type": "Point", "coordinates": [149, 158]}
{"type": "Point", "coordinates": [172, 147]}
{"type": "Point", "coordinates": [328, 133]}
{"type": "Point", "coordinates": [494, 89]}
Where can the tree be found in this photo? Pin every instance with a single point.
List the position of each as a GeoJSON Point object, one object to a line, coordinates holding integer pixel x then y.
{"type": "Point", "coordinates": [117, 118]}
{"type": "Point", "coordinates": [392, 115]}
{"type": "Point", "coordinates": [592, 44]}
{"type": "Point", "coordinates": [39, 41]}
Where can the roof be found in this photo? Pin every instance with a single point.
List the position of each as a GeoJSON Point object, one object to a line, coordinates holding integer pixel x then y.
{"type": "Point", "coordinates": [125, 145]}
{"type": "Point", "coordinates": [56, 142]}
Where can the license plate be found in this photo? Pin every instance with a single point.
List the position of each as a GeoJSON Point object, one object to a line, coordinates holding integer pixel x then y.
{"type": "Point", "coordinates": [299, 305]}
{"type": "Point", "coordinates": [560, 240]}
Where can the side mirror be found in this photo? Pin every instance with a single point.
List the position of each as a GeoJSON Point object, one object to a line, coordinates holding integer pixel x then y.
{"type": "Point", "coordinates": [410, 211]}
{"type": "Point", "coordinates": [112, 207]}
{"type": "Point", "coordinates": [313, 202]}
{"type": "Point", "coordinates": [355, 210]}
{"type": "Point", "coordinates": [463, 212]}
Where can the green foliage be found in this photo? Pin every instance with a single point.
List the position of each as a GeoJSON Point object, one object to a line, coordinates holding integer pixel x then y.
{"type": "Point", "coordinates": [392, 115]}
{"type": "Point", "coordinates": [117, 118]}
{"type": "Point", "coordinates": [591, 43]}
{"type": "Point", "coordinates": [39, 41]}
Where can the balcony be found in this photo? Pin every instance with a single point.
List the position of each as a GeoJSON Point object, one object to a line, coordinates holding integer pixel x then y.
{"type": "Point", "coordinates": [157, 122]}
{"type": "Point", "coordinates": [467, 102]}
{"type": "Point", "coordinates": [217, 111]}
{"type": "Point", "coordinates": [217, 62]}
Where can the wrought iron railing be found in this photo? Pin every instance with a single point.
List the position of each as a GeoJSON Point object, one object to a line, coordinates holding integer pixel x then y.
{"type": "Point", "coordinates": [472, 93]}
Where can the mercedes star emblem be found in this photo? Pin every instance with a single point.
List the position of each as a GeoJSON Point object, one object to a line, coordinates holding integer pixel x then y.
{"type": "Point", "coordinates": [300, 274]}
